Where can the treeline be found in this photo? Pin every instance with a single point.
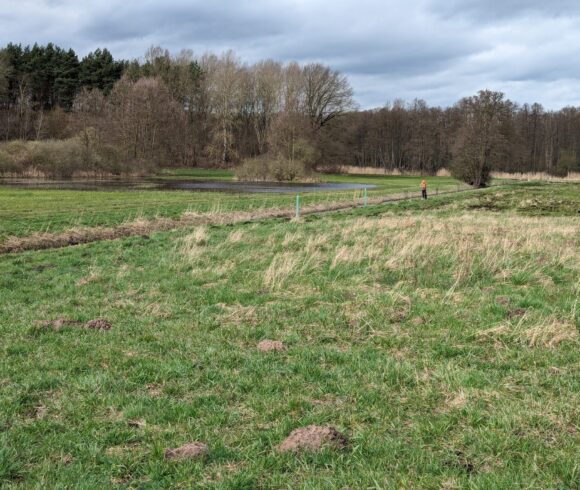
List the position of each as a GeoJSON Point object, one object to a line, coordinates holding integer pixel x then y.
{"type": "Point", "coordinates": [121, 116]}
{"type": "Point", "coordinates": [417, 138]}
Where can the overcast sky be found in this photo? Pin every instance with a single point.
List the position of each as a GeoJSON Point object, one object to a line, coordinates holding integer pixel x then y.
{"type": "Point", "coordinates": [437, 50]}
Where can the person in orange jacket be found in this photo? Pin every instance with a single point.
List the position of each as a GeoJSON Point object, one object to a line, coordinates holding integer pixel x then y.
{"type": "Point", "coordinates": [424, 189]}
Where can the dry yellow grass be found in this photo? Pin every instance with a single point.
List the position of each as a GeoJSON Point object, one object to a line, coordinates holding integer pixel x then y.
{"type": "Point", "coordinates": [282, 266]}
{"type": "Point", "coordinates": [236, 236]}
{"type": "Point", "coordinates": [351, 169]}
{"type": "Point", "coordinates": [546, 332]}
{"type": "Point", "coordinates": [529, 176]}
{"type": "Point", "coordinates": [191, 246]}
{"type": "Point", "coordinates": [551, 333]}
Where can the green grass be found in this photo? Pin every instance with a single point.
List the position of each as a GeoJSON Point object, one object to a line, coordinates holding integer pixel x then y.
{"type": "Point", "coordinates": [404, 330]}
{"type": "Point", "coordinates": [23, 211]}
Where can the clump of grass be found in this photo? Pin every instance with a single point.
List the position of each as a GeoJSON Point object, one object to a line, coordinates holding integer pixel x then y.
{"type": "Point", "coordinates": [236, 236]}
{"type": "Point", "coordinates": [192, 245]}
{"type": "Point", "coordinates": [551, 333]}
{"type": "Point", "coordinates": [283, 265]}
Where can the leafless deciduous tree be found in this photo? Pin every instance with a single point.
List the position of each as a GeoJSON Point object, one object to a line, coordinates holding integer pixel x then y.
{"type": "Point", "coordinates": [328, 94]}
{"type": "Point", "coordinates": [481, 140]}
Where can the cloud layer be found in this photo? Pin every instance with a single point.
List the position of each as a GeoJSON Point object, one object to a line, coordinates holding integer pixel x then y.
{"type": "Point", "coordinates": [438, 50]}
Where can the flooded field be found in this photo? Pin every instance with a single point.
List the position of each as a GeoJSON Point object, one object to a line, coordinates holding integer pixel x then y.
{"type": "Point", "coordinates": [182, 185]}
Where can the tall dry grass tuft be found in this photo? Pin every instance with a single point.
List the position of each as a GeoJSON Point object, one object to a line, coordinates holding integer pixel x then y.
{"type": "Point", "coordinates": [551, 333]}
{"type": "Point", "coordinates": [236, 236]}
{"type": "Point", "coordinates": [356, 253]}
{"type": "Point", "coordinates": [281, 268]}
{"type": "Point", "coordinates": [547, 332]}
{"type": "Point", "coordinates": [192, 246]}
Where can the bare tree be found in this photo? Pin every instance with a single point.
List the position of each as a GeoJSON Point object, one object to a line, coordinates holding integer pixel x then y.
{"type": "Point", "coordinates": [267, 90]}
{"type": "Point", "coordinates": [328, 94]}
{"type": "Point", "coordinates": [221, 82]}
{"type": "Point", "coordinates": [480, 142]}
{"type": "Point", "coordinates": [4, 72]}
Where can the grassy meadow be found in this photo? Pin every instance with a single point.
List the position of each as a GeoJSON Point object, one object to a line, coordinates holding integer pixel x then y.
{"type": "Point", "coordinates": [440, 337]}
{"type": "Point", "coordinates": [27, 211]}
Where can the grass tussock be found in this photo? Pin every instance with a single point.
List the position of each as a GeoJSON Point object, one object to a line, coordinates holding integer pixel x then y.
{"type": "Point", "coordinates": [551, 333]}
{"type": "Point", "coordinates": [192, 245]}
{"type": "Point", "coordinates": [281, 268]}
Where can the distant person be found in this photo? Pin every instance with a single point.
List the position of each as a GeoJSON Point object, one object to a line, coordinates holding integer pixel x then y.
{"type": "Point", "coordinates": [424, 189]}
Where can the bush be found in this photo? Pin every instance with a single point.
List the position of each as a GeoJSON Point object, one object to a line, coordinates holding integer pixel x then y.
{"type": "Point", "coordinates": [82, 155]}
{"type": "Point", "coordinates": [470, 172]}
{"type": "Point", "coordinates": [268, 169]}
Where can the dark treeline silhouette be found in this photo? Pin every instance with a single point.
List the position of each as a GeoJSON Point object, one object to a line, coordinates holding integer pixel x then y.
{"type": "Point", "coordinates": [417, 138]}
{"type": "Point", "coordinates": [98, 114]}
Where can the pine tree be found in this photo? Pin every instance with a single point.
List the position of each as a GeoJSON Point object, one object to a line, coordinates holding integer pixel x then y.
{"type": "Point", "coordinates": [99, 70]}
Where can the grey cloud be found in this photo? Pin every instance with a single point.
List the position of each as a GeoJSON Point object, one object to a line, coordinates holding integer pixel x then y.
{"type": "Point", "coordinates": [183, 20]}
{"type": "Point", "coordinates": [486, 10]}
{"type": "Point", "coordinates": [439, 50]}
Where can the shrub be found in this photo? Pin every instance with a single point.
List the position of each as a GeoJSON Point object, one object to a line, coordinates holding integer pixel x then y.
{"type": "Point", "coordinates": [82, 155]}
{"type": "Point", "coordinates": [278, 169]}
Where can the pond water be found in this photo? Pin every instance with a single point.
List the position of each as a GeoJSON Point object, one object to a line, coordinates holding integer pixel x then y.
{"type": "Point", "coordinates": [182, 185]}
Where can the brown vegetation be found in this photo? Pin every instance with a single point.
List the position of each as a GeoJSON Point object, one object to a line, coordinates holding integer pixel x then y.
{"type": "Point", "coordinates": [271, 345]}
{"type": "Point", "coordinates": [313, 438]}
{"type": "Point", "coordinates": [58, 324]}
{"type": "Point", "coordinates": [193, 450]}
{"type": "Point", "coordinates": [217, 110]}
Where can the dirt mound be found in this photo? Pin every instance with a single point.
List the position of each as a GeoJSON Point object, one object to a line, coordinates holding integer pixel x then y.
{"type": "Point", "coordinates": [502, 300]}
{"type": "Point", "coordinates": [97, 324]}
{"type": "Point", "coordinates": [271, 345]}
{"type": "Point", "coordinates": [313, 438]}
{"type": "Point", "coordinates": [192, 450]}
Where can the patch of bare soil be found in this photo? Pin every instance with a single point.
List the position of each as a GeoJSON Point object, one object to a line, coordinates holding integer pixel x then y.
{"type": "Point", "coordinates": [516, 312]}
{"type": "Point", "coordinates": [59, 323]}
{"type": "Point", "coordinates": [313, 438]}
{"type": "Point", "coordinates": [502, 300]}
{"type": "Point", "coordinates": [193, 450]}
{"type": "Point", "coordinates": [99, 324]}
{"type": "Point", "coordinates": [271, 345]}
{"type": "Point", "coordinates": [461, 462]}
